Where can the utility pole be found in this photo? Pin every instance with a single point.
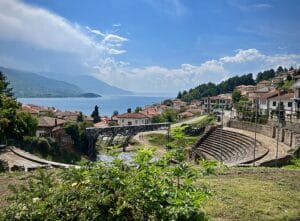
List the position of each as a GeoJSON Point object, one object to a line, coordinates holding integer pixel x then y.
{"type": "Point", "coordinates": [255, 129]}
{"type": "Point", "coordinates": [221, 146]}
{"type": "Point", "coordinates": [278, 129]}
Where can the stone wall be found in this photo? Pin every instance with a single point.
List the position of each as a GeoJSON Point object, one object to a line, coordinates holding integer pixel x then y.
{"type": "Point", "coordinates": [288, 133]}
{"type": "Point", "coordinates": [267, 130]}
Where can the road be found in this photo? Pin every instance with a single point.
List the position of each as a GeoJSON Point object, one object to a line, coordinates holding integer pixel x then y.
{"type": "Point", "coordinates": [140, 137]}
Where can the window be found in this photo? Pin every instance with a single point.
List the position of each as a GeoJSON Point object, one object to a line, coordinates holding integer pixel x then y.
{"type": "Point", "coordinates": [136, 121]}
{"type": "Point", "coordinates": [274, 103]}
{"type": "Point", "coordinates": [122, 121]}
{"type": "Point", "coordinates": [289, 104]}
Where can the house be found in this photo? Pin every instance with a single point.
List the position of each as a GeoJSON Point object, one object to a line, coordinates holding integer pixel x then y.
{"type": "Point", "coordinates": [263, 101]}
{"type": "Point", "coordinates": [263, 84]}
{"type": "Point", "coordinates": [185, 115]}
{"type": "Point", "coordinates": [178, 104]}
{"type": "Point", "coordinates": [47, 124]}
{"type": "Point", "coordinates": [150, 112]}
{"type": "Point", "coordinates": [286, 99]}
{"type": "Point", "coordinates": [43, 110]}
{"type": "Point", "coordinates": [128, 119]}
{"type": "Point", "coordinates": [245, 89]}
{"type": "Point", "coordinates": [53, 128]}
{"type": "Point", "coordinates": [27, 109]}
{"type": "Point", "coordinates": [219, 101]}
{"type": "Point", "coordinates": [67, 115]}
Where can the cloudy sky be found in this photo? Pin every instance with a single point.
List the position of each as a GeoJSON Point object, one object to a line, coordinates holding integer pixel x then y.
{"type": "Point", "coordinates": [150, 45]}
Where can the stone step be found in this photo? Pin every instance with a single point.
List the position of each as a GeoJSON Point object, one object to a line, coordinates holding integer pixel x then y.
{"type": "Point", "coordinates": [230, 144]}
{"type": "Point", "coordinates": [216, 152]}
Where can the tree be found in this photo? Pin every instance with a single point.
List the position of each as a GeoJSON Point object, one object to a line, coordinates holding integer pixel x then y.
{"type": "Point", "coordinates": [168, 102]}
{"type": "Point", "coordinates": [115, 113]}
{"type": "Point", "coordinates": [4, 86]}
{"type": "Point", "coordinates": [179, 95]}
{"type": "Point", "coordinates": [236, 96]}
{"type": "Point", "coordinates": [80, 117]}
{"type": "Point", "coordinates": [13, 124]}
{"type": "Point", "coordinates": [95, 115]}
{"type": "Point", "coordinates": [138, 109]}
{"type": "Point", "coordinates": [129, 110]}
{"type": "Point", "coordinates": [266, 75]}
{"type": "Point", "coordinates": [279, 70]}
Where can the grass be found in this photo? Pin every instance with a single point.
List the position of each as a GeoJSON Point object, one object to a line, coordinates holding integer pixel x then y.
{"type": "Point", "coordinates": [237, 194]}
{"type": "Point", "coordinates": [254, 194]}
{"type": "Point", "coordinates": [157, 140]}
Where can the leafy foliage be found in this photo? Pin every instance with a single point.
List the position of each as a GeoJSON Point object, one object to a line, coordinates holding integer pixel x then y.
{"type": "Point", "coordinates": [266, 75]}
{"type": "Point", "coordinates": [95, 115]}
{"type": "Point", "coordinates": [77, 132]}
{"type": "Point", "coordinates": [211, 89]}
{"type": "Point", "coordinates": [148, 191]}
{"type": "Point", "coordinates": [13, 124]}
{"type": "Point", "coordinates": [167, 115]}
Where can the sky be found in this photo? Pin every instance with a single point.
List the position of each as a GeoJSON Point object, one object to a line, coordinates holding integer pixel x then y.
{"type": "Point", "coordinates": [150, 46]}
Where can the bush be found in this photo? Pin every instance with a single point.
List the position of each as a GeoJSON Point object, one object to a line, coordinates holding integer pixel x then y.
{"type": "Point", "coordinates": [148, 191]}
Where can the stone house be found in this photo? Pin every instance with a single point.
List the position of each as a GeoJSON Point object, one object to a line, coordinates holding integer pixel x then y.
{"type": "Point", "coordinates": [128, 119]}
{"type": "Point", "coordinates": [50, 127]}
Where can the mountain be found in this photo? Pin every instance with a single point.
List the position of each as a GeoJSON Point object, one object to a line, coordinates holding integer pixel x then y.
{"type": "Point", "coordinates": [90, 84]}
{"type": "Point", "coordinates": [28, 84]}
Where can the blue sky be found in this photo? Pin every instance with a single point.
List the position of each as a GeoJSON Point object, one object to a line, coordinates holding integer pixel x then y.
{"type": "Point", "coordinates": [150, 45]}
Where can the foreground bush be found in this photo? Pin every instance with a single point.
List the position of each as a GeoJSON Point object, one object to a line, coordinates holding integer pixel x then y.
{"type": "Point", "coordinates": [149, 190]}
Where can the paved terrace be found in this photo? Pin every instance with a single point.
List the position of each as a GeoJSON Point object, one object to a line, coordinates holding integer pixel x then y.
{"type": "Point", "coordinates": [18, 159]}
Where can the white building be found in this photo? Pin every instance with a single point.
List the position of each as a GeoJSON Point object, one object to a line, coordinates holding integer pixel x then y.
{"type": "Point", "coordinates": [128, 119]}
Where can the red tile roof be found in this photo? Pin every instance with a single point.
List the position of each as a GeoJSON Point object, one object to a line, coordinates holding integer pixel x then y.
{"type": "Point", "coordinates": [287, 96]}
{"type": "Point", "coordinates": [133, 116]}
{"type": "Point", "coordinates": [269, 95]}
{"type": "Point", "coordinates": [50, 122]}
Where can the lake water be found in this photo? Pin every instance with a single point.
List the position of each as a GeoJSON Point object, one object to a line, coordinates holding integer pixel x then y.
{"type": "Point", "coordinates": [107, 104]}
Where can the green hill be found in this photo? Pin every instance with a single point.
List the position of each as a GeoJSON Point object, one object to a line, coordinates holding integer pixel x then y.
{"type": "Point", "coordinates": [27, 84]}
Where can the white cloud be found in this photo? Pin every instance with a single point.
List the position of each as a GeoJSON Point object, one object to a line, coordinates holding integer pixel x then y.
{"type": "Point", "coordinates": [40, 29]}
{"type": "Point", "coordinates": [161, 79]}
{"type": "Point", "coordinates": [95, 31]}
{"type": "Point", "coordinates": [35, 38]}
{"type": "Point", "coordinates": [243, 56]}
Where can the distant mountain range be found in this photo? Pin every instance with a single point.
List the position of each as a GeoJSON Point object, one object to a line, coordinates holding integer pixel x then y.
{"type": "Point", "coordinates": [28, 84]}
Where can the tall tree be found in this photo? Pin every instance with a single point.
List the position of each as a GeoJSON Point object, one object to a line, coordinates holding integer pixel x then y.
{"type": "Point", "coordinates": [138, 109]}
{"type": "Point", "coordinates": [4, 86]}
{"type": "Point", "coordinates": [129, 110]}
{"type": "Point", "coordinates": [95, 115]}
{"type": "Point", "coordinates": [115, 113]}
{"type": "Point", "coordinates": [13, 124]}
{"type": "Point", "coordinates": [80, 117]}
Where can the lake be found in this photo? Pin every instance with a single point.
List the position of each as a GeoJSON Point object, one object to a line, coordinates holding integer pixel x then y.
{"type": "Point", "coordinates": [107, 104]}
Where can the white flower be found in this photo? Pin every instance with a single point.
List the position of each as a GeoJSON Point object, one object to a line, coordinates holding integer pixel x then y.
{"type": "Point", "coordinates": [73, 184]}
{"type": "Point", "coordinates": [35, 199]}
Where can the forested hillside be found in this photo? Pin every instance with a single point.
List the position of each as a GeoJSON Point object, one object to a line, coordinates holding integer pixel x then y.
{"type": "Point", "coordinates": [211, 89]}
{"type": "Point", "coordinates": [27, 84]}
{"type": "Point", "coordinates": [227, 86]}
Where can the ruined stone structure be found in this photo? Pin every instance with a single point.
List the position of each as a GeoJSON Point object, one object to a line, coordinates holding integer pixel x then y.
{"type": "Point", "coordinates": [127, 132]}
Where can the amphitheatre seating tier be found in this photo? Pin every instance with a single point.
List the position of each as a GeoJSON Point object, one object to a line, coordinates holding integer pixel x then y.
{"type": "Point", "coordinates": [235, 148]}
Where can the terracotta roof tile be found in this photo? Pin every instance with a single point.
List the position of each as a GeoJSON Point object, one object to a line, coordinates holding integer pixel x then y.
{"type": "Point", "coordinates": [50, 122]}
{"type": "Point", "coordinates": [133, 116]}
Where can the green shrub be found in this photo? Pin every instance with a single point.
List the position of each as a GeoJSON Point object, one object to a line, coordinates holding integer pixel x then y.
{"type": "Point", "coordinates": [98, 191]}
